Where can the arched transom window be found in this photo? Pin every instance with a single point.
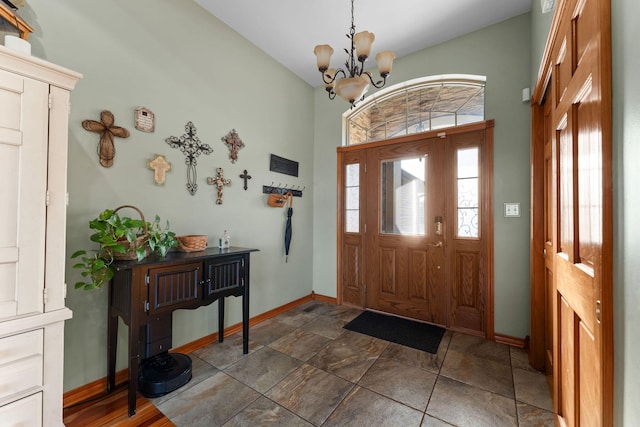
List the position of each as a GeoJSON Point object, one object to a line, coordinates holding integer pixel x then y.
{"type": "Point", "coordinates": [415, 106]}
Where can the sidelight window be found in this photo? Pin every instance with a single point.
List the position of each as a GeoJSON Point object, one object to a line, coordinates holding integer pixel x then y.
{"type": "Point", "coordinates": [467, 192]}
{"type": "Point", "coordinates": [352, 198]}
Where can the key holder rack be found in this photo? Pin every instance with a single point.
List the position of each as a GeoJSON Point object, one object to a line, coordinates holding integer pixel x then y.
{"type": "Point", "coordinates": [296, 191]}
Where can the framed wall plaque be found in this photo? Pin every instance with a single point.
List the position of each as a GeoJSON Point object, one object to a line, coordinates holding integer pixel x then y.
{"type": "Point", "coordinates": [145, 120]}
{"type": "Point", "coordinates": [282, 165]}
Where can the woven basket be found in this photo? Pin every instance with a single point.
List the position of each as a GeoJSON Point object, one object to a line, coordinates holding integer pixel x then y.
{"type": "Point", "coordinates": [192, 243]}
{"type": "Point", "coordinates": [139, 242]}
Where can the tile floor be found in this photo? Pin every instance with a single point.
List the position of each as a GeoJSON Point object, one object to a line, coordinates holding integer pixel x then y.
{"type": "Point", "coordinates": [304, 369]}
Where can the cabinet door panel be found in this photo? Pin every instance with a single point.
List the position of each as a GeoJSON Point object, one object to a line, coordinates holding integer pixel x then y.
{"type": "Point", "coordinates": [23, 184]}
{"type": "Point", "coordinates": [225, 277]}
{"type": "Point", "coordinates": [174, 287]}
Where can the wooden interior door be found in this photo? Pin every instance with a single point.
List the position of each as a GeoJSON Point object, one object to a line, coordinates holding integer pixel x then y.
{"type": "Point", "coordinates": [405, 192]}
{"type": "Point", "coordinates": [578, 211]}
{"type": "Point", "coordinates": [549, 243]}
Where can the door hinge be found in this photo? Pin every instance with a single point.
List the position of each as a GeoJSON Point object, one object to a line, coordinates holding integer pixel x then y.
{"type": "Point", "coordinates": [64, 291]}
{"type": "Point", "coordinates": [47, 198]}
{"type": "Point", "coordinates": [598, 311]}
{"type": "Point", "coordinates": [146, 306]}
{"type": "Point", "coordinates": [50, 100]}
{"type": "Point", "coordinates": [45, 296]}
{"type": "Point", "coordinates": [365, 168]}
{"type": "Point", "coordinates": [146, 279]}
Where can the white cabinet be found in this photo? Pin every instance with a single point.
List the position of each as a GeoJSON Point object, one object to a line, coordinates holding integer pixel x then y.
{"type": "Point", "coordinates": [34, 113]}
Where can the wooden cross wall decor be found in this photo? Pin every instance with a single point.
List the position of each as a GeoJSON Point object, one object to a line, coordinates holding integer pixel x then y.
{"type": "Point", "coordinates": [160, 167]}
{"type": "Point", "coordinates": [191, 146]}
{"type": "Point", "coordinates": [107, 131]}
{"type": "Point", "coordinates": [234, 143]}
{"type": "Point", "coordinates": [219, 181]}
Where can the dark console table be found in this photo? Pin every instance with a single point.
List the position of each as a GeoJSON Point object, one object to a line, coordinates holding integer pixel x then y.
{"type": "Point", "coordinates": [145, 294]}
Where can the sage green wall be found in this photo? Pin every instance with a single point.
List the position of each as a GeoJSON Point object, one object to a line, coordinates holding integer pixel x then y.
{"type": "Point", "coordinates": [502, 53]}
{"type": "Point", "coordinates": [185, 65]}
{"type": "Point", "coordinates": [626, 205]}
{"type": "Point", "coordinates": [540, 25]}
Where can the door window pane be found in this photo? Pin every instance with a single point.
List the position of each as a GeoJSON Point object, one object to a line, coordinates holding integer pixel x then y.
{"type": "Point", "coordinates": [352, 198]}
{"type": "Point", "coordinates": [467, 192]}
{"type": "Point", "coordinates": [402, 196]}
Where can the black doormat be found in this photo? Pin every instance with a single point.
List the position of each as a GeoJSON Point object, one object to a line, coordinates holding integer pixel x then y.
{"type": "Point", "coordinates": [421, 336]}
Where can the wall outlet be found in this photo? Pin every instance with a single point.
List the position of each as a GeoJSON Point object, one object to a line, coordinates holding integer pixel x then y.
{"type": "Point", "coordinates": [511, 210]}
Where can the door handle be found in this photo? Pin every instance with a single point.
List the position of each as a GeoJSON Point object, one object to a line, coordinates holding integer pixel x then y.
{"type": "Point", "coordinates": [436, 245]}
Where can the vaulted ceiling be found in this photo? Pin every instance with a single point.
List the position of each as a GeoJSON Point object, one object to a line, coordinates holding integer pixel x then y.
{"type": "Point", "coordinates": [288, 30]}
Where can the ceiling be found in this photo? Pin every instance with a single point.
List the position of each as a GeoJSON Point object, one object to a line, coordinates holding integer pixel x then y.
{"type": "Point", "coordinates": [288, 30]}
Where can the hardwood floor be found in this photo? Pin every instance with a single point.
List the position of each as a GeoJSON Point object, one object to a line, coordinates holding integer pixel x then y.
{"type": "Point", "coordinates": [111, 410]}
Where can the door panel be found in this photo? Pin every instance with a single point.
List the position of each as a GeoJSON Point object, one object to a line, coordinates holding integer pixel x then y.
{"type": "Point", "coordinates": [23, 142]}
{"type": "Point", "coordinates": [405, 275]}
{"type": "Point", "coordinates": [577, 210]}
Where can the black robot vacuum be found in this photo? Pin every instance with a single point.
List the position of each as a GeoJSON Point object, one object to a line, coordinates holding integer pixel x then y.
{"type": "Point", "coordinates": [163, 373]}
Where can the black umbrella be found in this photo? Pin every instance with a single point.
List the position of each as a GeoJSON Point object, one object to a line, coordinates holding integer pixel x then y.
{"type": "Point", "coordinates": [287, 228]}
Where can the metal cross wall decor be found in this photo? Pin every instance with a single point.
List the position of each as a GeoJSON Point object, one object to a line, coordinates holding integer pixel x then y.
{"type": "Point", "coordinates": [234, 143]}
{"type": "Point", "coordinates": [107, 131]}
{"type": "Point", "coordinates": [191, 146]}
{"type": "Point", "coordinates": [245, 176]}
{"type": "Point", "coordinates": [219, 181]}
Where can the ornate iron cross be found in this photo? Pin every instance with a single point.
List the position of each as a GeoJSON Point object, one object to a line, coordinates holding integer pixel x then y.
{"type": "Point", "coordinates": [191, 146]}
{"type": "Point", "coordinates": [245, 176]}
{"type": "Point", "coordinates": [234, 143]}
{"type": "Point", "coordinates": [219, 181]}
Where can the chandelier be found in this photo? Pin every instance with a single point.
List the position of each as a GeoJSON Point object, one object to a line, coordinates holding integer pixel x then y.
{"type": "Point", "coordinates": [352, 84]}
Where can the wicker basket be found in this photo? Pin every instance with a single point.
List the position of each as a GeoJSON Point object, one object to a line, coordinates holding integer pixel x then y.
{"type": "Point", "coordinates": [139, 242]}
{"type": "Point", "coordinates": [192, 243]}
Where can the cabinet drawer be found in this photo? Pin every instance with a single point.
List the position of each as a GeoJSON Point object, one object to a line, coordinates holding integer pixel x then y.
{"type": "Point", "coordinates": [23, 412]}
{"type": "Point", "coordinates": [21, 362]}
{"type": "Point", "coordinates": [155, 336]}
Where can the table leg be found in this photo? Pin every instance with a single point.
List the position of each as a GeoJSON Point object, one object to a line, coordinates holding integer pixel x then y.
{"type": "Point", "coordinates": [245, 308]}
{"type": "Point", "coordinates": [112, 338]}
{"type": "Point", "coordinates": [220, 319]}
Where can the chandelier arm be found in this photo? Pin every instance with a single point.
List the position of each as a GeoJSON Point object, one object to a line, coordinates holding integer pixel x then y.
{"type": "Point", "coordinates": [379, 83]}
{"type": "Point", "coordinates": [335, 76]}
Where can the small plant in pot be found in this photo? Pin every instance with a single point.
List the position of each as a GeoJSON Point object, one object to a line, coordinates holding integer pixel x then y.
{"type": "Point", "coordinates": [120, 238]}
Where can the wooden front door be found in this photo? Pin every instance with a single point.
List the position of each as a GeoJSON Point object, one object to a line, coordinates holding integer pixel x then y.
{"type": "Point", "coordinates": [415, 227]}
{"type": "Point", "coordinates": [405, 268]}
{"type": "Point", "coordinates": [577, 212]}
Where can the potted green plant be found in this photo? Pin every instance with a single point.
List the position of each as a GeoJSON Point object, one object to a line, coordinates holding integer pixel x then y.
{"type": "Point", "coordinates": [120, 238]}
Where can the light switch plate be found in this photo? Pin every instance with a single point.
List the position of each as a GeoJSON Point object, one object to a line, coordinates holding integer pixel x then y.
{"type": "Point", "coordinates": [511, 210]}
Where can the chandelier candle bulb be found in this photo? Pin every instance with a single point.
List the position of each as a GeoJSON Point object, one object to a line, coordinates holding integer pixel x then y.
{"type": "Point", "coordinates": [363, 41]}
{"type": "Point", "coordinates": [352, 88]}
{"type": "Point", "coordinates": [385, 62]}
{"type": "Point", "coordinates": [323, 53]}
